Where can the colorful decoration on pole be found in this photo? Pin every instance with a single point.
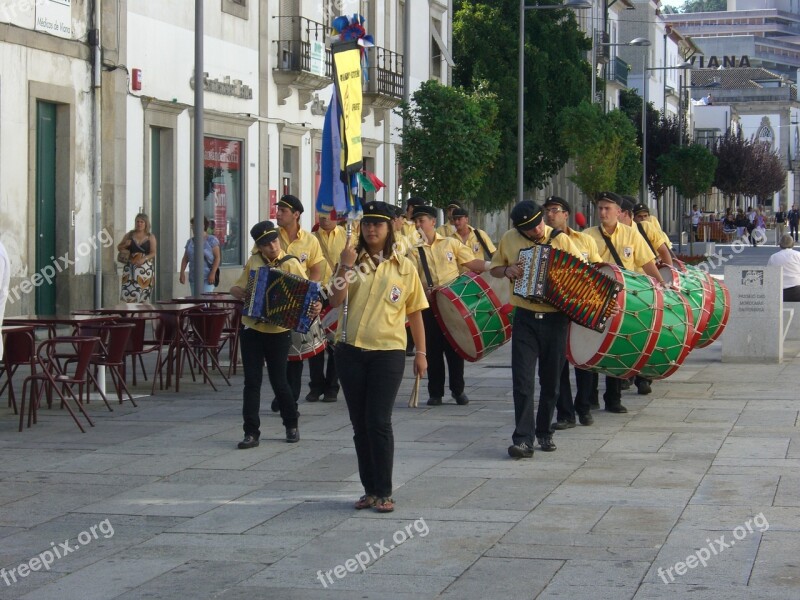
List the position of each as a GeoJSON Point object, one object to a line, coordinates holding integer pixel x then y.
{"type": "Point", "coordinates": [352, 30]}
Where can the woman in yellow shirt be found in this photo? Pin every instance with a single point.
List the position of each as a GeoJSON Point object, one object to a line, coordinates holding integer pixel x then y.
{"type": "Point", "coordinates": [382, 289]}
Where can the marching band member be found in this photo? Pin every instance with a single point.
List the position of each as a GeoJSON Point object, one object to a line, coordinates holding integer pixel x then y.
{"type": "Point", "coordinates": [264, 342]}
{"type": "Point", "coordinates": [539, 332]}
{"type": "Point", "coordinates": [473, 238]}
{"type": "Point", "coordinates": [557, 212]}
{"type": "Point", "coordinates": [626, 247]}
{"type": "Point", "coordinates": [438, 260]}
{"type": "Point", "coordinates": [447, 229]}
{"type": "Point", "coordinates": [371, 357]}
{"type": "Point", "coordinates": [637, 216]}
{"type": "Point", "coordinates": [331, 238]}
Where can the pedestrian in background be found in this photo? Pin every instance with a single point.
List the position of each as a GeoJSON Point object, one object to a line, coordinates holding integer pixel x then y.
{"type": "Point", "coordinates": [137, 252]}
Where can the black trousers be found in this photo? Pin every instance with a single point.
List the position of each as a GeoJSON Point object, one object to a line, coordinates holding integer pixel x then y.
{"type": "Point", "coordinates": [258, 348]}
{"type": "Point", "coordinates": [294, 374]}
{"type": "Point", "coordinates": [791, 294]}
{"type": "Point", "coordinates": [612, 397]}
{"type": "Point", "coordinates": [793, 230]}
{"type": "Point", "coordinates": [542, 340]}
{"type": "Point", "coordinates": [438, 349]}
{"type": "Point", "coordinates": [565, 408]}
{"type": "Point", "coordinates": [323, 382]}
{"type": "Point", "coordinates": [370, 382]}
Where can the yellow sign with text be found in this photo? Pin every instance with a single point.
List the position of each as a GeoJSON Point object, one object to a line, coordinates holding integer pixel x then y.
{"type": "Point", "coordinates": [347, 69]}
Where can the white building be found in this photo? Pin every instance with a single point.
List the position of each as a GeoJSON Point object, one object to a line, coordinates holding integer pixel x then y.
{"type": "Point", "coordinates": [264, 110]}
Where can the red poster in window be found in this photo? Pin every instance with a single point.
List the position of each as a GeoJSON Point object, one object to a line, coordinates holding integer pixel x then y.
{"type": "Point", "coordinates": [273, 201]}
{"type": "Point", "coordinates": [222, 154]}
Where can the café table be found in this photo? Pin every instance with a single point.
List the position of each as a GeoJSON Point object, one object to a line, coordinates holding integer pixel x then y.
{"type": "Point", "coordinates": [50, 322]}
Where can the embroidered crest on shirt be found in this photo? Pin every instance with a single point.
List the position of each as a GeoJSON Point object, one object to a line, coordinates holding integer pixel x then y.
{"type": "Point", "coordinates": [449, 256]}
{"type": "Point", "coordinates": [475, 247]}
{"type": "Point", "coordinates": [303, 257]}
{"type": "Point", "coordinates": [627, 251]}
{"type": "Point", "coordinates": [394, 294]}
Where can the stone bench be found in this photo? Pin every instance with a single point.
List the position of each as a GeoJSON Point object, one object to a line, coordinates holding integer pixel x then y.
{"type": "Point", "coordinates": [791, 320]}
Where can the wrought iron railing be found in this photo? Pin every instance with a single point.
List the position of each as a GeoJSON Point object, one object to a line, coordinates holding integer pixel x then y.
{"type": "Point", "coordinates": [617, 70]}
{"type": "Point", "coordinates": [385, 72]}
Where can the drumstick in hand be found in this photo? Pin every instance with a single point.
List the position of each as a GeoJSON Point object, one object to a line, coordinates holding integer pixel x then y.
{"type": "Point", "coordinates": [414, 400]}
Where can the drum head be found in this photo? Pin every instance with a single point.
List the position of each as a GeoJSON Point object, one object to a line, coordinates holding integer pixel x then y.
{"type": "Point", "coordinates": [306, 345]}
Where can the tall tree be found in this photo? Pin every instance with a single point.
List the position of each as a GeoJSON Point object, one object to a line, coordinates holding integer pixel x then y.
{"type": "Point", "coordinates": [732, 154]}
{"type": "Point", "coordinates": [689, 168]}
{"type": "Point", "coordinates": [450, 140]}
{"type": "Point", "coordinates": [485, 48]}
{"type": "Point", "coordinates": [764, 173]}
{"type": "Point", "coordinates": [695, 6]}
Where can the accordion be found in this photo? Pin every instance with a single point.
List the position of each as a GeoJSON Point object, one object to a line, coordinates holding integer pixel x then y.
{"type": "Point", "coordinates": [279, 298]}
{"type": "Point", "coordinates": [582, 292]}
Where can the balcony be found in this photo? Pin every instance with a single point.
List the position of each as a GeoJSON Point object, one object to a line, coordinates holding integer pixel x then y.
{"type": "Point", "coordinates": [617, 71]}
{"type": "Point", "coordinates": [297, 37]}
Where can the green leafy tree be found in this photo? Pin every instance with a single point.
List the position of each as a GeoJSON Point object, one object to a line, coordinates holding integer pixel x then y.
{"type": "Point", "coordinates": [764, 173]}
{"type": "Point", "coordinates": [557, 76]}
{"type": "Point", "coordinates": [450, 140]}
{"type": "Point", "coordinates": [690, 169]}
{"type": "Point", "coordinates": [695, 6]}
{"type": "Point", "coordinates": [603, 146]}
{"type": "Point", "coordinates": [732, 153]}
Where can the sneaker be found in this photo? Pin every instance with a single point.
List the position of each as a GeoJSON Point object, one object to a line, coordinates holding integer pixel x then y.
{"type": "Point", "coordinates": [434, 401]}
{"type": "Point", "coordinates": [546, 444]}
{"type": "Point", "coordinates": [461, 399]}
{"type": "Point", "coordinates": [586, 419]}
{"type": "Point", "coordinates": [643, 387]}
{"type": "Point", "coordinates": [313, 396]}
{"type": "Point", "coordinates": [249, 441]}
{"type": "Point", "coordinates": [292, 435]}
{"type": "Point", "coordinates": [560, 425]}
{"type": "Point", "coordinates": [521, 450]}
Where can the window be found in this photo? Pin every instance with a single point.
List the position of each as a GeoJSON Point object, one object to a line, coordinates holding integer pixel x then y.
{"type": "Point", "coordinates": [237, 8]}
{"type": "Point", "coordinates": [223, 195]}
{"type": "Point", "coordinates": [706, 137]}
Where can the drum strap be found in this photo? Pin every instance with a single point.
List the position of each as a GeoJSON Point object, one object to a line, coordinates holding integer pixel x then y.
{"type": "Point", "coordinates": [488, 255]}
{"type": "Point", "coordinates": [424, 260]}
{"type": "Point", "coordinates": [554, 234]}
{"type": "Point", "coordinates": [640, 227]}
{"type": "Point", "coordinates": [610, 247]}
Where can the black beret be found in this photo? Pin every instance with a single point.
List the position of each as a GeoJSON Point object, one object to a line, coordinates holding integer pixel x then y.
{"type": "Point", "coordinates": [526, 215]}
{"type": "Point", "coordinates": [420, 211]}
{"type": "Point", "coordinates": [558, 201]}
{"type": "Point", "coordinates": [454, 204]}
{"type": "Point", "coordinates": [377, 212]}
{"type": "Point", "coordinates": [628, 203]}
{"type": "Point", "coordinates": [264, 232]}
{"type": "Point", "coordinates": [399, 212]}
{"type": "Point", "coordinates": [609, 197]}
{"type": "Point", "coordinates": [641, 208]}
{"type": "Point", "coordinates": [459, 212]}
{"type": "Point", "coordinates": [415, 201]}
{"type": "Point", "coordinates": [292, 202]}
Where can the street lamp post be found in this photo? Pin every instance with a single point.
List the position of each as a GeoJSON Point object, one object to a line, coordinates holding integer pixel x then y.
{"type": "Point", "coordinates": [573, 4]}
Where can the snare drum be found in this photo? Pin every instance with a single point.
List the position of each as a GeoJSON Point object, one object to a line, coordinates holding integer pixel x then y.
{"type": "Point", "coordinates": [471, 316]}
{"type": "Point", "coordinates": [699, 292]}
{"type": "Point", "coordinates": [306, 345]}
{"type": "Point", "coordinates": [674, 337]}
{"type": "Point", "coordinates": [631, 334]}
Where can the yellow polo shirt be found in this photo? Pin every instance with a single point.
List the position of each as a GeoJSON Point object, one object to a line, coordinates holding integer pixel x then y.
{"type": "Point", "coordinates": [445, 257]}
{"type": "Point", "coordinates": [379, 299]}
{"type": "Point", "coordinates": [305, 247]}
{"type": "Point", "coordinates": [508, 254]}
{"type": "Point", "coordinates": [653, 233]}
{"type": "Point", "coordinates": [652, 219]}
{"type": "Point", "coordinates": [585, 245]}
{"type": "Point", "coordinates": [446, 230]}
{"type": "Point", "coordinates": [473, 244]}
{"type": "Point", "coordinates": [409, 227]}
{"type": "Point", "coordinates": [630, 245]}
{"type": "Point", "coordinates": [331, 244]}
{"type": "Point", "coordinates": [257, 261]}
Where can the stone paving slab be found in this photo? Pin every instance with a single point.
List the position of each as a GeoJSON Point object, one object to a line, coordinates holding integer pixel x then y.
{"type": "Point", "coordinates": [710, 449]}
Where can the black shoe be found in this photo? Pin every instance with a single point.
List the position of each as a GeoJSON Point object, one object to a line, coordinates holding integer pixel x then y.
{"type": "Point", "coordinates": [434, 401]}
{"type": "Point", "coordinates": [594, 404]}
{"type": "Point", "coordinates": [249, 441]}
{"type": "Point", "coordinates": [546, 444]}
{"type": "Point", "coordinates": [292, 435]}
{"type": "Point", "coordinates": [586, 419]}
{"type": "Point", "coordinates": [330, 397]}
{"type": "Point", "coordinates": [564, 425]}
{"type": "Point", "coordinates": [521, 450]}
{"type": "Point", "coordinates": [461, 399]}
{"type": "Point", "coordinates": [643, 387]}
{"type": "Point", "coordinates": [625, 385]}
{"type": "Point", "coordinates": [313, 396]}
{"type": "Point", "coordinates": [619, 409]}
{"type": "Point", "coordinates": [275, 406]}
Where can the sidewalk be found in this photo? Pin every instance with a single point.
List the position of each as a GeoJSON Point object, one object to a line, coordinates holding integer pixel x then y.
{"type": "Point", "coordinates": [712, 447]}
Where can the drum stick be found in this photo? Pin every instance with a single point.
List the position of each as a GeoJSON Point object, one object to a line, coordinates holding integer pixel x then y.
{"type": "Point", "coordinates": [414, 400]}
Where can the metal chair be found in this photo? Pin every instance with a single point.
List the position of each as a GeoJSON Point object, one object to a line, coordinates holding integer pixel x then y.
{"type": "Point", "coordinates": [112, 357]}
{"type": "Point", "coordinates": [205, 340]}
{"type": "Point", "coordinates": [57, 380]}
{"type": "Point", "coordinates": [20, 349]}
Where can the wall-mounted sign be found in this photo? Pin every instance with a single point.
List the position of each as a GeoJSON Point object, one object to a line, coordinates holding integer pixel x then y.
{"type": "Point", "coordinates": [54, 17]}
{"type": "Point", "coordinates": [316, 58]}
{"type": "Point", "coordinates": [226, 87]}
{"type": "Point", "coordinates": [714, 62]}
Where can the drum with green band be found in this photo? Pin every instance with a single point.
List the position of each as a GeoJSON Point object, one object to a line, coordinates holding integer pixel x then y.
{"type": "Point", "coordinates": [674, 337]}
{"type": "Point", "coordinates": [719, 317]}
{"type": "Point", "coordinates": [471, 316]}
{"type": "Point", "coordinates": [630, 336]}
{"type": "Point", "coordinates": [698, 290]}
